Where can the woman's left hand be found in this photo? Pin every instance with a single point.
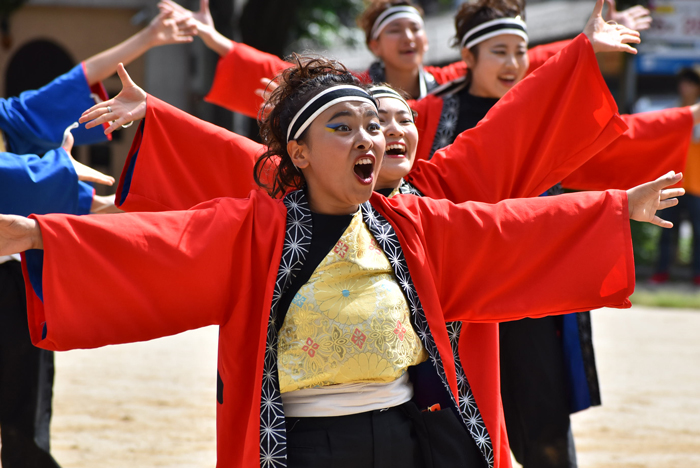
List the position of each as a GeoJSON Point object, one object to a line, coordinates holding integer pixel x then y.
{"type": "Point", "coordinates": [129, 105]}
{"type": "Point", "coordinates": [609, 37]}
{"type": "Point", "coordinates": [646, 199]}
{"type": "Point", "coordinates": [636, 17]}
{"type": "Point", "coordinates": [167, 29]}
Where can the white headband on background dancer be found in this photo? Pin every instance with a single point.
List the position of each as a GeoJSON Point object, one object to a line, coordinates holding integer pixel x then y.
{"type": "Point", "coordinates": [323, 101]}
{"type": "Point", "coordinates": [394, 13]}
{"type": "Point", "coordinates": [494, 28]}
{"type": "Point", "coordinates": [379, 92]}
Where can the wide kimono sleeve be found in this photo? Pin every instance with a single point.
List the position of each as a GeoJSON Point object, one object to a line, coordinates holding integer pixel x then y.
{"type": "Point", "coordinates": [177, 161]}
{"type": "Point", "coordinates": [30, 184]}
{"type": "Point", "coordinates": [541, 131]}
{"type": "Point", "coordinates": [656, 143]}
{"type": "Point", "coordinates": [34, 122]}
{"type": "Point", "coordinates": [137, 276]}
{"type": "Point", "coordinates": [538, 55]}
{"type": "Point", "coordinates": [238, 75]}
{"type": "Point", "coordinates": [518, 258]}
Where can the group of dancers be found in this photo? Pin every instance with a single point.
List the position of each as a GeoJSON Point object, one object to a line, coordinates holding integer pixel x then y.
{"type": "Point", "coordinates": [391, 287]}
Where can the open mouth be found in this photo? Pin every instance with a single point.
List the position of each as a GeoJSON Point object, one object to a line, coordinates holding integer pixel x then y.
{"type": "Point", "coordinates": [396, 150]}
{"type": "Point", "coordinates": [507, 80]}
{"type": "Point", "coordinates": [364, 168]}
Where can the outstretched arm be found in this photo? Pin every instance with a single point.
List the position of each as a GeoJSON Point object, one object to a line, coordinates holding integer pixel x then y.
{"type": "Point", "coordinates": [176, 160]}
{"type": "Point", "coordinates": [163, 29]}
{"type": "Point", "coordinates": [203, 22]}
{"type": "Point", "coordinates": [571, 116]}
{"type": "Point", "coordinates": [654, 143]}
{"type": "Point", "coordinates": [192, 259]}
{"type": "Point", "coordinates": [529, 257]}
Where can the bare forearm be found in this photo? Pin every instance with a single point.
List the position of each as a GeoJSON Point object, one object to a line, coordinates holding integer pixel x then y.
{"type": "Point", "coordinates": [18, 234]}
{"type": "Point", "coordinates": [103, 65]}
{"type": "Point", "coordinates": [216, 41]}
{"type": "Point", "coordinates": [695, 110]}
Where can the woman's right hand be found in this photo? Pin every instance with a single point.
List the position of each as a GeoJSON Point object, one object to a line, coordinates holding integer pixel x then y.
{"type": "Point", "coordinates": [645, 200]}
{"type": "Point", "coordinates": [128, 106]}
{"type": "Point", "coordinates": [18, 234]}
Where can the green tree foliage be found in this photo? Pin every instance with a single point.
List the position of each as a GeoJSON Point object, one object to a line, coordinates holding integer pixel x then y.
{"type": "Point", "coordinates": [325, 23]}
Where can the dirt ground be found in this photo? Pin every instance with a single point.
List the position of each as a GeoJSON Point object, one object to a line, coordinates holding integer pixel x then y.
{"type": "Point", "coordinates": [153, 404]}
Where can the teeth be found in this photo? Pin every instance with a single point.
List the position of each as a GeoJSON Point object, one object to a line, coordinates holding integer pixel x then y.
{"type": "Point", "coordinates": [395, 147]}
{"type": "Point", "coordinates": [364, 161]}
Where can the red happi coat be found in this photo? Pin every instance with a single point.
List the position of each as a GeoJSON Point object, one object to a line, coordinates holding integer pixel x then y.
{"type": "Point", "coordinates": [162, 173]}
{"type": "Point", "coordinates": [226, 261]}
{"type": "Point", "coordinates": [238, 75]}
{"type": "Point", "coordinates": [655, 143]}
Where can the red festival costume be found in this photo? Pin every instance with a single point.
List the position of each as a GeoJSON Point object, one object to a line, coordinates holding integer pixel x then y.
{"type": "Point", "coordinates": [162, 173]}
{"type": "Point", "coordinates": [469, 262]}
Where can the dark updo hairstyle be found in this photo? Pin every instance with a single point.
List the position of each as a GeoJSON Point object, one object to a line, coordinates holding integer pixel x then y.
{"type": "Point", "coordinates": [368, 17]}
{"type": "Point", "coordinates": [473, 14]}
{"type": "Point", "coordinates": [308, 76]}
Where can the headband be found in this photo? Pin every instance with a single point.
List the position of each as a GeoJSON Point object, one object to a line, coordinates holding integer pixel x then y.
{"type": "Point", "coordinates": [394, 13]}
{"type": "Point", "coordinates": [494, 28]}
{"type": "Point", "coordinates": [379, 92]}
{"type": "Point", "coordinates": [323, 101]}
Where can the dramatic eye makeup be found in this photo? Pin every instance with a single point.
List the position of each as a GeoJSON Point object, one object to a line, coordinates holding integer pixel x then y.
{"type": "Point", "coordinates": [334, 127]}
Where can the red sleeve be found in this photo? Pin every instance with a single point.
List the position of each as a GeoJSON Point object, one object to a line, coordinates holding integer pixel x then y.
{"type": "Point", "coordinates": [656, 143]}
{"type": "Point", "coordinates": [538, 55]}
{"type": "Point", "coordinates": [139, 276]}
{"type": "Point", "coordinates": [570, 116]}
{"type": "Point", "coordinates": [448, 73]}
{"type": "Point", "coordinates": [177, 161]}
{"type": "Point", "coordinates": [520, 258]}
{"type": "Point", "coordinates": [238, 75]}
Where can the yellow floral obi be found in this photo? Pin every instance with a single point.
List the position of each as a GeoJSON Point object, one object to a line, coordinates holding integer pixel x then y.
{"type": "Point", "coordinates": [350, 322]}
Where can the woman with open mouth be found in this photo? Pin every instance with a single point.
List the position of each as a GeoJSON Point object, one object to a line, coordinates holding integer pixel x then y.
{"type": "Point", "coordinates": [655, 141]}
{"type": "Point", "coordinates": [330, 298]}
{"type": "Point", "coordinates": [394, 33]}
{"type": "Point", "coordinates": [161, 173]}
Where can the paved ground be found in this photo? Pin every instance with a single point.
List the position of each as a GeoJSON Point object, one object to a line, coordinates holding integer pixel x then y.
{"type": "Point", "coordinates": [153, 404]}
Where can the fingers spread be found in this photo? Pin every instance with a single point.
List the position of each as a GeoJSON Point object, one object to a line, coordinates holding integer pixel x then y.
{"type": "Point", "coordinates": [661, 222]}
{"type": "Point", "coordinates": [663, 204]}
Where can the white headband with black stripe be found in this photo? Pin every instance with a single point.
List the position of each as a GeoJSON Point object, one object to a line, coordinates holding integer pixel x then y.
{"type": "Point", "coordinates": [494, 28]}
{"type": "Point", "coordinates": [379, 92]}
{"type": "Point", "coordinates": [394, 13]}
{"type": "Point", "coordinates": [323, 101]}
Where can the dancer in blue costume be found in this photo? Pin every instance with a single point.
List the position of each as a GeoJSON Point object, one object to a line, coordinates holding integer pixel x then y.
{"type": "Point", "coordinates": [32, 124]}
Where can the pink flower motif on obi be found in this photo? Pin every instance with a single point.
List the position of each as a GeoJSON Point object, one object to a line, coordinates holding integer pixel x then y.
{"type": "Point", "coordinates": [341, 248]}
{"type": "Point", "coordinates": [310, 347]}
{"type": "Point", "coordinates": [359, 338]}
{"type": "Point", "coordinates": [400, 330]}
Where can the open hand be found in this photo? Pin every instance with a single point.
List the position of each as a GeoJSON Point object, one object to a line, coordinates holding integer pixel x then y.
{"type": "Point", "coordinates": [646, 199]}
{"type": "Point", "coordinates": [129, 105]}
{"type": "Point", "coordinates": [85, 173]}
{"type": "Point", "coordinates": [636, 17]}
{"type": "Point", "coordinates": [167, 29]}
{"type": "Point", "coordinates": [18, 234]}
{"type": "Point", "coordinates": [607, 37]}
{"type": "Point", "coordinates": [202, 18]}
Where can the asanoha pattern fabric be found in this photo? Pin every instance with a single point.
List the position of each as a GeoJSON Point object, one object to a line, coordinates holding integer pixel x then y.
{"type": "Point", "coordinates": [447, 126]}
{"type": "Point", "coordinates": [273, 437]}
{"type": "Point", "coordinates": [350, 322]}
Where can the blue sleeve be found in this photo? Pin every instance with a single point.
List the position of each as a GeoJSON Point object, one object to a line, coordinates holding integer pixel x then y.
{"type": "Point", "coordinates": [85, 195]}
{"type": "Point", "coordinates": [30, 184]}
{"type": "Point", "coordinates": [34, 122]}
